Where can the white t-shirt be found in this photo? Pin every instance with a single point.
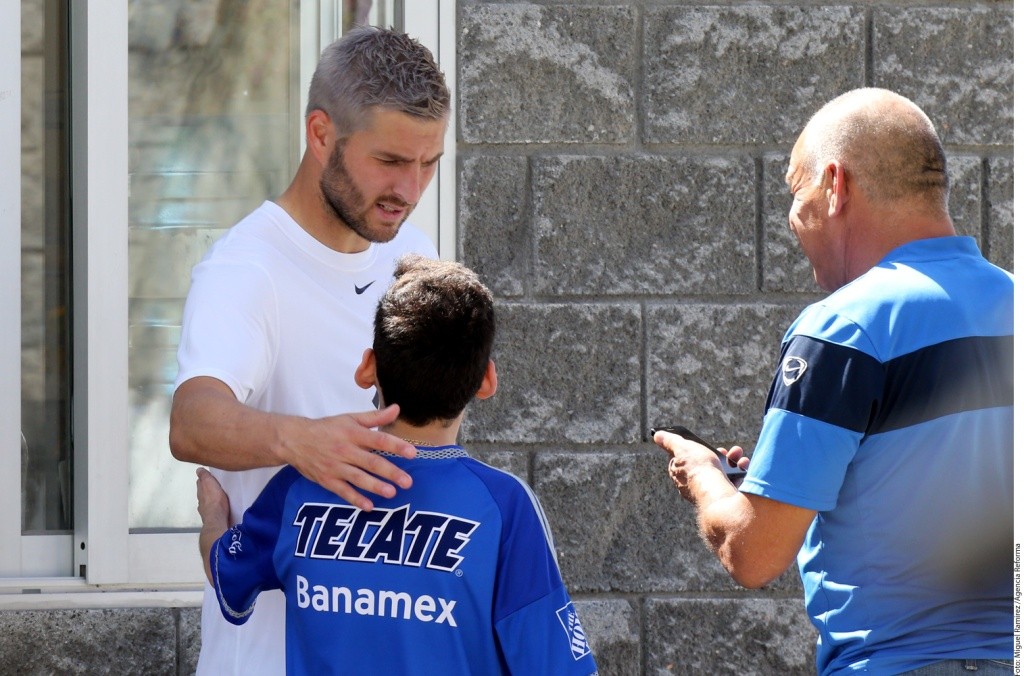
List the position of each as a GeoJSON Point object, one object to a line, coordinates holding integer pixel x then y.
{"type": "Point", "coordinates": [283, 321]}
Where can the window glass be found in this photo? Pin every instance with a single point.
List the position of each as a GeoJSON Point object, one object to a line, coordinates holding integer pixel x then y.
{"type": "Point", "coordinates": [372, 12]}
{"type": "Point", "coordinates": [215, 120]}
{"type": "Point", "coordinates": [212, 108]}
{"type": "Point", "coordinates": [45, 270]}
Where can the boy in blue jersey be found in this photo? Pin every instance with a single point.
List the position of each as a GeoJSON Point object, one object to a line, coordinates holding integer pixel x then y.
{"type": "Point", "coordinates": [884, 465]}
{"type": "Point", "coordinates": [457, 574]}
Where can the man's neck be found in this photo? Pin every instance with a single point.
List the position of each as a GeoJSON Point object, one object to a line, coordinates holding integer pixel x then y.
{"type": "Point", "coordinates": [303, 201]}
{"type": "Point", "coordinates": [883, 230]}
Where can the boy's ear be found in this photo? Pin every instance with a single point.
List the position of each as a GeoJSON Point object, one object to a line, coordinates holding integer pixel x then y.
{"type": "Point", "coordinates": [489, 385]}
{"type": "Point", "coordinates": [366, 372]}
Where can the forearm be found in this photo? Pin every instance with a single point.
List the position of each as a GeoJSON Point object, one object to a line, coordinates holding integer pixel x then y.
{"type": "Point", "coordinates": [756, 539]}
{"type": "Point", "coordinates": [210, 427]}
{"type": "Point", "coordinates": [208, 537]}
{"type": "Point", "coordinates": [723, 515]}
{"type": "Point", "coordinates": [724, 524]}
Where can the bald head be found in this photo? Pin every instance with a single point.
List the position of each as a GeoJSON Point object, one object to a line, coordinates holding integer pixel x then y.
{"type": "Point", "coordinates": [887, 145]}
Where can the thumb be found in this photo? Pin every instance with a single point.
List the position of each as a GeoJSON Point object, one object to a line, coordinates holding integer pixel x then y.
{"type": "Point", "coordinates": [661, 438]}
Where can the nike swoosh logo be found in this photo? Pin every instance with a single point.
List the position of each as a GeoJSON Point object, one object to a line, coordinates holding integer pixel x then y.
{"type": "Point", "coordinates": [792, 369]}
{"type": "Point", "coordinates": [360, 289]}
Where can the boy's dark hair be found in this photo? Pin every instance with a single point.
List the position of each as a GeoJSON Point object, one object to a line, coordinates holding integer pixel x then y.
{"type": "Point", "coordinates": [432, 337]}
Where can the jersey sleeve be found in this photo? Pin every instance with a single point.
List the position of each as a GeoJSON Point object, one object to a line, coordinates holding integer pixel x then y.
{"type": "Point", "coordinates": [537, 626]}
{"type": "Point", "coordinates": [242, 561]}
{"type": "Point", "coordinates": [819, 409]}
{"type": "Point", "coordinates": [229, 327]}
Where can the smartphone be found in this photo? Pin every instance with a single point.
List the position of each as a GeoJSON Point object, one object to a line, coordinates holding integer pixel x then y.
{"type": "Point", "coordinates": [732, 472]}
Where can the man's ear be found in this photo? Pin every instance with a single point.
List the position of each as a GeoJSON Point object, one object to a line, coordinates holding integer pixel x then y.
{"type": "Point", "coordinates": [366, 372]}
{"type": "Point", "coordinates": [837, 190]}
{"type": "Point", "coordinates": [489, 385]}
{"type": "Point", "coordinates": [320, 135]}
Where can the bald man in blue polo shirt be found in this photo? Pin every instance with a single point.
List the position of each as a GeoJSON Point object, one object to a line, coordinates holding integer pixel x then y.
{"type": "Point", "coordinates": [884, 464]}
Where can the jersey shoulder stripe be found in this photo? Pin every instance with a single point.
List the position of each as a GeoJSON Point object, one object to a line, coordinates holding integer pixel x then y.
{"type": "Point", "coordinates": [968, 374]}
{"type": "Point", "coordinates": [843, 386]}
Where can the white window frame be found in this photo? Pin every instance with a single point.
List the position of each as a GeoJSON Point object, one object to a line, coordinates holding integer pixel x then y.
{"type": "Point", "coordinates": [433, 24]}
{"type": "Point", "coordinates": [103, 555]}
{"type": "Point", "coordinates": [11, 545]}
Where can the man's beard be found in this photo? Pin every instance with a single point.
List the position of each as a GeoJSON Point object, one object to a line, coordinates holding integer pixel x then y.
{"type": "Point", "coordinates": [341, 196]}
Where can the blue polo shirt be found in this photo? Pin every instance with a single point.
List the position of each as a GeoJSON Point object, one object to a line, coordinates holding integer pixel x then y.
{"type": "Point", "coordinates": [891, 415]}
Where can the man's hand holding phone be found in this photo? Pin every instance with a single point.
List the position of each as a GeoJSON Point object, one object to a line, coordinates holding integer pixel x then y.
{"type": "Point", "coordinates": [732, 463]}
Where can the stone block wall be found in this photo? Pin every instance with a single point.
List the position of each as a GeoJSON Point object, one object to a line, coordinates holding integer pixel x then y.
{"type": "Point", "coordinates": [111, 641]}
{"type": "Point", "coordinates": [621, 189]}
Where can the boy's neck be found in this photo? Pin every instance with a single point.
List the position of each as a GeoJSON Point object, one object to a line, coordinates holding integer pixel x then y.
{"type": "Point", "coordinates": [431, 434]}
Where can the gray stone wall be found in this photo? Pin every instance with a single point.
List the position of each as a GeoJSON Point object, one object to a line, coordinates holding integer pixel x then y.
{"type": "Point", "coordinates": [89, 642]}
{"type": "Point", "coordinates": [621, 191]}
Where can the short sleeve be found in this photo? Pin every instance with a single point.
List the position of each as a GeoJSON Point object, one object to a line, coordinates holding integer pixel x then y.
{"type": "Point", "coordinates": [819, 409]}
{"type": "Point", "coordinates": [229, 327]}
{"type": "Point", "coordinates": [242, 561]}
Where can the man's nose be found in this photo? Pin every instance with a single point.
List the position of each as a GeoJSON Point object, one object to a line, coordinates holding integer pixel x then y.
{"type": "Point", "coordinates": [410, 183]}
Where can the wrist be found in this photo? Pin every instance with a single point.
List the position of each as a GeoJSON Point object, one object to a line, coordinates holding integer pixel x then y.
{"type": "Point", "coordinates": [285, 429]}
{"type": "Point", "coordinates": [708, 484]}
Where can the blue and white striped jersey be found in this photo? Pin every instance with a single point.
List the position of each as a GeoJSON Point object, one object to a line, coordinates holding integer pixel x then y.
{"type": "Point", "coordinates": [891, 415]}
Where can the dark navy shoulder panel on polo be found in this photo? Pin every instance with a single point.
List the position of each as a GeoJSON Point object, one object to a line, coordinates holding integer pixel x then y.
{"type": "Point", "coordinates": [837, 384]}
{"type": "Point", "coordinates": [842, 386]}
{"type": "Point", "coordinates": [967, 374]}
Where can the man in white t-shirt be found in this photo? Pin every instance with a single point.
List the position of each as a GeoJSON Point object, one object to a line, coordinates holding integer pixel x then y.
{"type": "Point", "coordinates": [281, 309]}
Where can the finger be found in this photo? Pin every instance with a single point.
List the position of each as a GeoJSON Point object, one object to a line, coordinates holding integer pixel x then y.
{"type": "Point", "coordinates": [346, 489]}
{"type": "Point", "coordinates": [377, 418]}
{"type": "Point", "coordinates": [379, 468]}
{"type": "Point", "coordinates": [666, 440]}
{"type": "Point", "coordinates": [362, 440]}
{"type": "Point", "coordinates": [207, 483]}
{"type": "Point", "coordinates": [367, 471]}
{"type": "Point", "coordinates": [377, 440]}
{"type": "Point", "coordinates": [735, 456]}
{"type": "Point", "coordinates": [389, 443]}
{"type": "Point", "coordinates": [202, 480]}
{"type": "Point", "coordinates": [677, 446]}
